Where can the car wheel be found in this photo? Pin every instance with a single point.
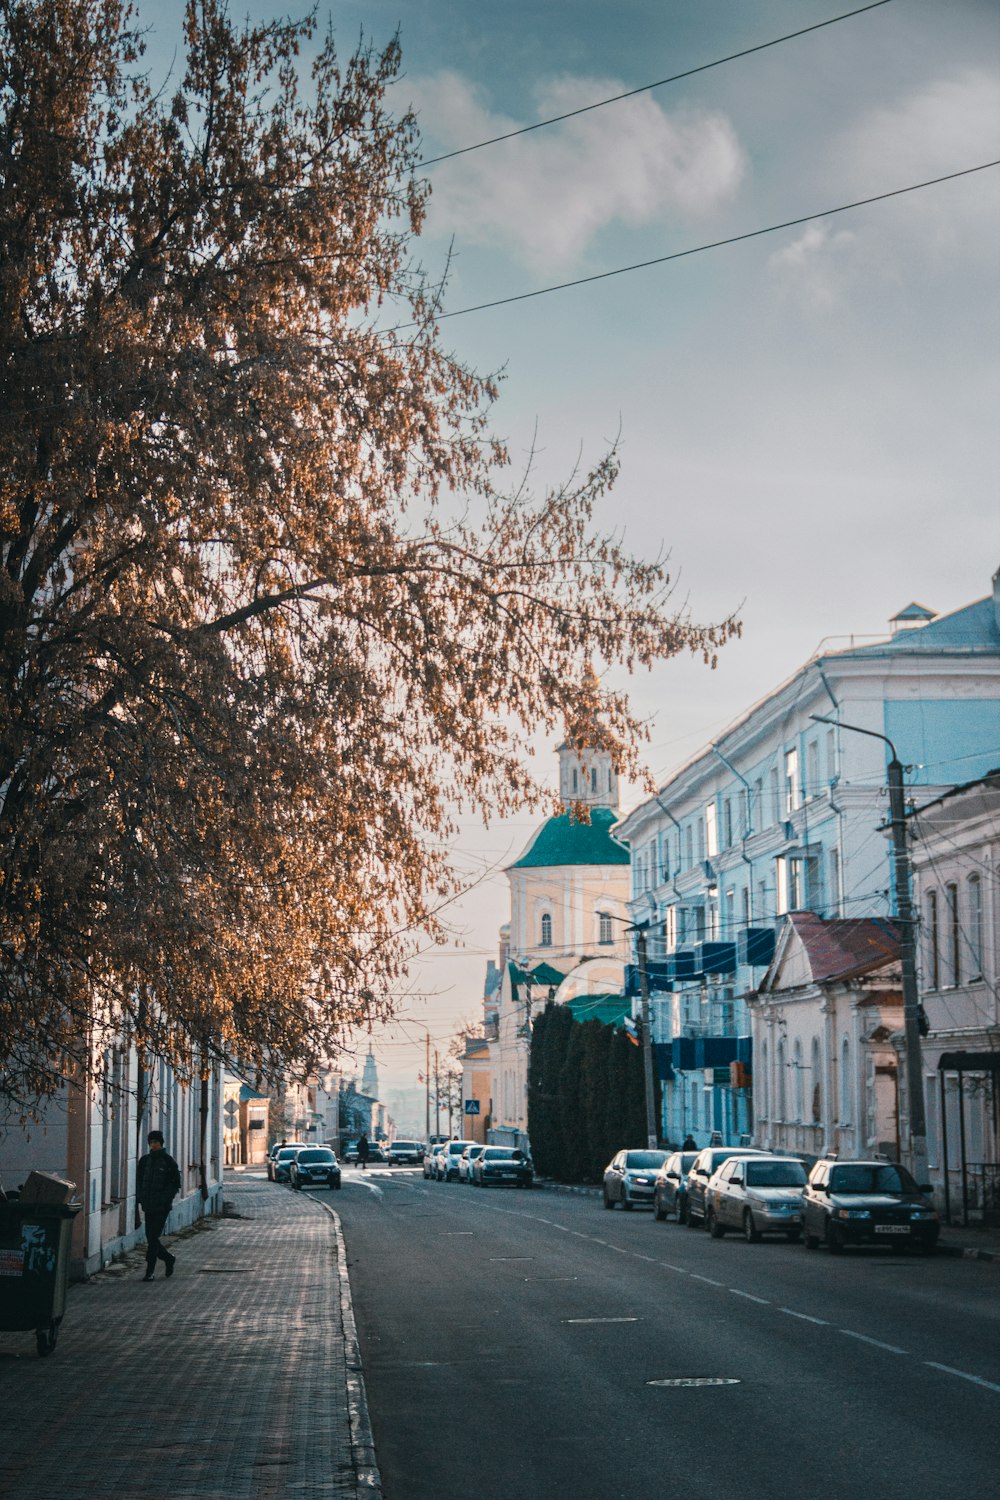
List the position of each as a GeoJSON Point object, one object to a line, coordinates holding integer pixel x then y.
{"type": "Point", "coordinates": [627, 1203]}
{"type": "Point", "coordinates": [834, 1243]}
{"type": "Point", "coordinates": [681, 1210]}
{"type": "Point", "coordinates": [690, 1219]}
{"type": "Point", "coordinates": [714, 1228]}
{"type": "Point", "coordinates": [608, 1202]}
{"type": "Point", "coordinates": [750, 1231]}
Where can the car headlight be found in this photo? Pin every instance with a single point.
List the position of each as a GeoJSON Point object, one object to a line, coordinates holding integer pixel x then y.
{"type": "Point", "coordinates": [641, 1181]}
{"type": "Point", "coordinates": [923, 1213]}
{"type": "Point", "coordinates": [854, 1213]}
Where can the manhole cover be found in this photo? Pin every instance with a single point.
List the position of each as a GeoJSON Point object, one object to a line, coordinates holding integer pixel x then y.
{"type": "Point", "coordinates": [693, 1380]}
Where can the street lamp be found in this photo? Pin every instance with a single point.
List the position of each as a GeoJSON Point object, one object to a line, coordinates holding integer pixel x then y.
{"type": "Point", "coordinates": [907, 950]}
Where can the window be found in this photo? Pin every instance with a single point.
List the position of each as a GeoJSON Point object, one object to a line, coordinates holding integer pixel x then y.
{"type": "Point", "coordinates": [954, 934]}
{"type": "Point", "coordinates": [833, 883]}
{"type": "Point", "coordinates": [781, 879]}
{"type": "Point", "coordinates": [975, 899]}
{"type": "Point", "coordinates": [670, 928]}
{"type": "Point", "coordinates": [845, 1082]}
{"type": "Point", "coordinates": [746, 906]}
{"type": "Point", "coordinates": [812, 769]}
{"type": "Point", "coordinates": [730, 913]}
{"type": "Point", "coordinates": [576, 780]}
{"type": "Point", "coordinates": [780, 1082]}
{"type": "Point", "coordinates": [593, 779]}
{"type": "Point", "coordinates": [727, 823]}
{"type": "Point", "coordinates": [762, 1104]}
{"type": "Point", "coordinates": [604, 925]}
{"type": "Point", "coordinates": [793, 787]}
{"type": "Point", "coordinates": [758, 806]}
{"type": "Point", "coordinates": [816, 1083]}
{"type": "Point", "coordinates": [689, 845]}
{"type": "Point", "coordinates": [798, 1080]}
{"type": "Point", "coordinates": [546, 938]}
{"type": "Point", "coordinates": [701, 837]}
{"type": "Point", "coordinates": [711, 831]}
{"type": "Point", "coordinates": [775, 795]}
{"type": "Point", "coordinates": [831, 755]}
{"type": "Point", "coordinates": [933, 951]}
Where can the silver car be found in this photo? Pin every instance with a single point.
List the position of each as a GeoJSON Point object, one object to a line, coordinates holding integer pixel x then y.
{"type": "Point", "coordinates": [630, 1178]}
{"type": "Point", "coordinates": [449, 1159]}
{"type": "Point", "coordinates": [468, 1156]}
{"type": "Point", "coordinates": [759, 1195]}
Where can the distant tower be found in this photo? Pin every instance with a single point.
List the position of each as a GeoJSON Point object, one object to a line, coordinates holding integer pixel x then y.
{"type": "Point", "coordinates": [369, 1078]}
{"type": "Point", "coordinates": [587, 776]}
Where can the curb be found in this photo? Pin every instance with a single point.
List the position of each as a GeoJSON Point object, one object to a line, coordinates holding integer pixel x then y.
{"type": "Point", "coordinates": [367, 1478]}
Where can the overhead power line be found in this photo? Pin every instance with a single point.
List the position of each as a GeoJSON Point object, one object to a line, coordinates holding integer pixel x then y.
{"type": "Point", "coordinates": [645, 88]}
{"type": "Point", "coordinates": [733, 239]}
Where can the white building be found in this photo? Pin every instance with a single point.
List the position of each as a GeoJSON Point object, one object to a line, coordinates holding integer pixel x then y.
{"type": "Point", "coordinates": [783, 813]}
{"type": "Point", "coordinates": [568, 917]}
{"type": "Point", "coordinates": [955, 844]}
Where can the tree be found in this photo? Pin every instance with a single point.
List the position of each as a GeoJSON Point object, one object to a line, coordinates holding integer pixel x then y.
{"type": "Point", "coordinates": [267, 616]}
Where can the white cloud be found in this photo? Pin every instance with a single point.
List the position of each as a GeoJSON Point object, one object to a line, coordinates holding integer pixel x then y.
{"type": "Point", "coordinates": [546, 195]}
{"type": "Point", "coordinates": [818, 265]}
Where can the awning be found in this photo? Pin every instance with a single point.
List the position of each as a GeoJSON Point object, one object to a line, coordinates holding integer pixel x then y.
{"type": "Point", "coordinates": [969, 1062]}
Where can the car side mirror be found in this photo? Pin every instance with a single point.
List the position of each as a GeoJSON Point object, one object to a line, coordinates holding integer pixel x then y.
{"type": "Point", "coordinates": [736, 1181]}
{"type": "Point", "coordinates": [925, 1187]}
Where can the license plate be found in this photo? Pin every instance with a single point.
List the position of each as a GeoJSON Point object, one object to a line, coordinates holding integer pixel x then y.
{"type": "Point", "coordinates": [892, 1228]}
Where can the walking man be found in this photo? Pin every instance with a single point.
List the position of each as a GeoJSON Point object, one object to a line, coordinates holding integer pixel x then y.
{"type": "Point", "coordinates": [158, 1182]}
{"type": "Point", "coordinates": [363, 1152]}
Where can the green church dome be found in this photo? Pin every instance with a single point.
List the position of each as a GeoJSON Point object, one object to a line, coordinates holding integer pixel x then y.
{"type": "Point", "coordinates": [565, 841]}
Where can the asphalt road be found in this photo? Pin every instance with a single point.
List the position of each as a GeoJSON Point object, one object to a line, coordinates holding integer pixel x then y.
{"type": "Point", "coordinates": [512, 1343]}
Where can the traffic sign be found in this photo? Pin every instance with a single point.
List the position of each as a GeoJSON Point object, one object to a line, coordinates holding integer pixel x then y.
{"type": "Point", "coordinates": [471, 1106]}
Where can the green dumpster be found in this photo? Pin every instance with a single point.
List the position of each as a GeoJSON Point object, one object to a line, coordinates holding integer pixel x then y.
{"type": "Point", "coordinates": [34, 1267]}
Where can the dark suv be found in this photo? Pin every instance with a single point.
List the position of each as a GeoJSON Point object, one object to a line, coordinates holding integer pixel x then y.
{"type": "Point", "coordinates": [866, 1203]}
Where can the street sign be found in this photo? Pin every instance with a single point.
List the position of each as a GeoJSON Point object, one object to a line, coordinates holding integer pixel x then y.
{"type": "Point", "coordinates": [471, 1106]}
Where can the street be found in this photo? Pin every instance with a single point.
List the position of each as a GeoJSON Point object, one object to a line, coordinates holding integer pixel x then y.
{"type": "Point", "coordinates": [514, 1344]}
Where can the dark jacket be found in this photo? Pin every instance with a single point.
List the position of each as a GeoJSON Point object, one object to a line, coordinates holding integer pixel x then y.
{"type": "Point", "coordinates": [157, 1181]}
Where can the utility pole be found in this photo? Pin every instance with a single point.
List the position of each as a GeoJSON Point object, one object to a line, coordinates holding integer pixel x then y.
{"type": "Point", "coordinates": [427, 1089]}
{"type": "Point", "coordinates": [647, 1039]}
{"type": "Point", "coordinates": [437, 1096]}
{"type": "Point", "coordinates": [907, 952]}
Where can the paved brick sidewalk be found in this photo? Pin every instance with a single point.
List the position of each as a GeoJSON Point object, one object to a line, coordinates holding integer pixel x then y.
{"type": "Point", "coordinates": [238, 1379]}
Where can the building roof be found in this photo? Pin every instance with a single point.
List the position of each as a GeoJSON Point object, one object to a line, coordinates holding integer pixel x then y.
{"type": "Point", "coordinates": [564, 840]}
{"type": "Point", "coordinates": [972, 630]}
{"type": "Point", "coordinates": [611, 1009]}
{"type": "Point", "coordinates": [841, 947]}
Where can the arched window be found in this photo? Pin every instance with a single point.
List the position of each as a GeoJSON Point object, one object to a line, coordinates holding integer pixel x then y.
{"type": "Point", "coordinates": [816, 1083]}
{"type": "Point", "coordinates": [799, 1080]}
{"type": "Point", "coordinates": [576, 780]}
{"type": "Point", "coordinates": [781, 1082]}
{"type": "Point", "coordinates": [593, 779]}
{"type": "Point", "coordinates": [605, 935]}
{"type": "Point", "coordinates": [933, 943]}
{"type": "Point", "coordinates": [845, 1082]}
{"type": "Point", "coordinates": [546, 938]}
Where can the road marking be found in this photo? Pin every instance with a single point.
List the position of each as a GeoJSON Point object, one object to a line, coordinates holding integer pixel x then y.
{"type": "Point", "coordinates": [708, 1279]}
{"type": "Point", "coordinates": [496, 1258]}
{"type": "Point", "coordinates": [687, 1381]}
{"type": "Point", "coordinates": [804, 1316]}
{"type": "Point", "coordinates": [876, 1343]}
{"type": "Point", "coordinates": [600, 1320]}
{"type": "Point", "coordinates": [963, 1375]}
{"type": "Point", "coordinates": [667, 1266]}
{"type": "Point", "coordinates": [458, 1233]}
{"type": "Point", "coordinates": [764, 1301]}
{"type": "Point", "coordinates": [372, 1187]}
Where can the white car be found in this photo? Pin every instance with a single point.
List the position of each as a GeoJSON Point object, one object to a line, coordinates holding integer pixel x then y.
{"type": "Point", "coordinates": [405, 1154]}
{"type": "Point", "coordinates": [465, 1161]}
{"type": "Point", "coordinates": [448, 1160]}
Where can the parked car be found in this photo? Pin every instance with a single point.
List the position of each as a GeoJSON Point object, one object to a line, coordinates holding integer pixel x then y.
{"type": "Point", "coordinates": [449, 1158]}
{"type": "Point", "coordinates": [314, 1166]}
{"type": "Point", "coordinates": [465, 1162]}
{"type": "Point", "coordinates": [707, 1162]}
{"type": "Point", "coordinates": [867, 1203]}
{"type": "Point", "coordinates": [499, 1165]}
{"type": "Point", "coordinates": [283, 1159]}
{"type": "Point", "coordinates": [670, 1187]}
{"type": "Point", "coordinates": [405, 1154]}
{"type": "Point", "coordinates": [431, 1160]}
{"type": "Point", "coordinates": [630, 1176]}
{"type": "Point", "coordinates": [758, 1195]}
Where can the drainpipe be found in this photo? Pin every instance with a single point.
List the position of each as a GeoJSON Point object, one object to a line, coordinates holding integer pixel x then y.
{"type": "Point", "coordinates": [749, 831]}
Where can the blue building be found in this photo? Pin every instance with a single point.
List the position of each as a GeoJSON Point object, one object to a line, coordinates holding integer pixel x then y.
{"type": "Point", "coordinates": [782, 813]}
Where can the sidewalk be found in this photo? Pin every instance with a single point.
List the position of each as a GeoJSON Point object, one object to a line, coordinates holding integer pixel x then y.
{"type": "Point", "coordinates": [238, 1379]}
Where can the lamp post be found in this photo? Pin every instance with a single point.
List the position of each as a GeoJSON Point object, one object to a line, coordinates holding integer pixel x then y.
{"type": "Point", "coordinates": [647, 1036]}
{"type": "Point", "coordinates": [907, 950]}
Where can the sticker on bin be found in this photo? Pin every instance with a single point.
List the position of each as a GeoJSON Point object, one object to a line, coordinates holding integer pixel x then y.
{"type": "Point", "coordinates": [11, 1262]}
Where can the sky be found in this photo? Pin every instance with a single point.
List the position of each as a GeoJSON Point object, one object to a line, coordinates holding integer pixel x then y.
{"type": "Point", "coordinates": [808, 420]}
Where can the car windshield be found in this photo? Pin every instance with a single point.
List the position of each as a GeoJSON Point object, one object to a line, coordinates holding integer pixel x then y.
{"type": "Point", "coordinates": [687, 1159]}
{"type": "Point", "coordinates": [306, 1157]}
{"type": "Point", "coordinates": [496, 1153]}
{"type": "Point", "coordinates": [404, 1146]}
{"type": "Point", "coordinates": [456, 1148]}
{"type": "Point", "coordinates": [864, 1177]}
{"type": "Point", "coordinates": [775, 1174]}
{"type": "Point", "coordinates": [647, 1159]}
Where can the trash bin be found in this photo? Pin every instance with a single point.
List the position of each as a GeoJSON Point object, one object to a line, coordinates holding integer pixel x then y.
{"type": "Point", "coordinates": [34, 1268]}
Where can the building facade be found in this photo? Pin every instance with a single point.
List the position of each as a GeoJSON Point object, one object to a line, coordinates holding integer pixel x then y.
{"type": "Point", "coordinates": [783, 813]}
{"type": "Point", "coordinates": [568, 916]}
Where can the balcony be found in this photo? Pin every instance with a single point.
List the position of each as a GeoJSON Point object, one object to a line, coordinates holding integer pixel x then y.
{"type": "Point", "coordinates": [715, 958]}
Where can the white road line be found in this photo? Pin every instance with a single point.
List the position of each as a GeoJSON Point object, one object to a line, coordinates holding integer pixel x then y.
{"type": "Point", "coordinates": [963, 1375]}
{"type": "Point", "coordinates": [681, 1270]}
{"type": "Point", "coordinates": [696, 1277]}
{"type": "Point", "coordinates": [764, 1302]}
{"type": "Point", "coordinates": [877, 1343]}
{"type": "Point", "coordinates": [804, 1316]}
{"type": "Point", "coordinates": [600, 1320]}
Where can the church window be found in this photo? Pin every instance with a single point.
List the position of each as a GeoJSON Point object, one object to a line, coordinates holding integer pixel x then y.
{"type": "Point", "coordinates": [605, 933]}
{"type": "Point", "coordinates": [546, 938]}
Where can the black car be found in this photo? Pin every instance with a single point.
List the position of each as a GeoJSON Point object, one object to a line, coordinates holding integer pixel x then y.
{"type": "Point", "coordinates": [867, 1203]}
{"type": "Point", "coordinates": [670, 1187]}
{"type": "Point", "coordinates": [315, 1166]}
{"type": "Point", "coordinates": [499, 1166]}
